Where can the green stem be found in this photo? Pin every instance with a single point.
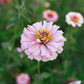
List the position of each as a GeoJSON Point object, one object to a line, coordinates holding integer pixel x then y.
{"type": "Point", "coordinates": [20, 13]}
{"type": "Point", "coordinates": [39, 70]}
{"type": "Point", "coordinates": [23, 1]}
{"type": "Point", "coordinates": [15, 35]}
{"type": "Point", "coordinates": [18, 8]}
{"type": "Point", "coordinates": [17, 4]}
{"type": "Point", "coordinates": [24, 17]}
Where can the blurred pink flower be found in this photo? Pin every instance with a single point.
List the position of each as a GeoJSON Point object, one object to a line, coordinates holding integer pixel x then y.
{"type": "Point", "coordinates": [5, 1]}
{"type": "Point", "coordinates": [50, 15]}
{"type": "Point", "coordinates": [23, 79]}
{"type": "Point", "coordinates": [20, 50]}
{"type": "Point", "coordinates": [47, 4]}
{"type": "Point", "coordinates": [21, 55]}
{"type": "Point", "coordinates": [75, 82]}
{"type": "Point", "coordinates": [42, 41]}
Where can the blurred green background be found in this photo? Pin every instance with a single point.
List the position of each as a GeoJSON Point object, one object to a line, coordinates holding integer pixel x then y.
{"type": "Point", "coordinates": [18, 14]}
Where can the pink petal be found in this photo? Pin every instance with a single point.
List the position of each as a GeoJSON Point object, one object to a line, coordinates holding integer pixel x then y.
{"type": "Point", "coordinates": [31, 29]}
{"type": "Point", "coordinates": [27, 52]}
{"type": "Point", "coordinates": [49, 27]}
{"type": "Point", "coordinates": [57, 38]}
{"type": "Point", "coordinates": [44, 59]}
{"type": "Point", "coordinates": [56, 44]}
{"type": "Point", "coordinates": [37, 57]}
{"type": "Point", "coordinates": [44, 25]}
{"type": "Point", "coordinates": [25, 39]}
{"type": "Point", "coordinates": [53, 56]}
{"type": "Point", "coordinates": [25, 45]}
{"type": "Point", "coordinates": [29, 34]}
{"type": "Point", "coordinates": [59, 50]}
{"type": "Point", "coordinates": [34, 48]}
{"type": "Point", "coordinates": [44, 51]}
{"type": "Point", "coordinates": [54, 29]}
{"type": "Point", "coordinates": [30, 57]}
{"type": "Point", "coordinates": [51, 47]}
{"type": "Point", "coordinates": [37, 26]}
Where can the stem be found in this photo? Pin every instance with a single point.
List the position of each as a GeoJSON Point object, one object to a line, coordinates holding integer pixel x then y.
{"type": "Point", "coordinates": [17, 4]}
{"type": "Point", "coordinates": [39, 70]}
{"type": "Point", "coordinates": [24, 17]}
{"type": "Point", "coordinates": [23, 1]}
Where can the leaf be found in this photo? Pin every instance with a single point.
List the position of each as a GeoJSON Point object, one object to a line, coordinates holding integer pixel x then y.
{"type": "Point", "coordinates": [16, 57]}
{"type": "Point", "coordinates": [45, 75]}
{"type": "Point", "coordinates": [9, 26]}
{"type": "Point", "coordinates": [9, 66]}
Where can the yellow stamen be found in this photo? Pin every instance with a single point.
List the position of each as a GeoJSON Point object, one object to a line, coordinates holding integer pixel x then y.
{"type": "Point", "coordinates": [46, 31]}
{"type": "Point", "coordinates": [22, 78]}
{"type": "Point", "coordinates": [75, 18]}
{"type": "Point", "coordinates": [43, 35]}
{"type": "Point", "coordinates": [37, 34]}
{"type": "Point", "coordinates": [51, 12]}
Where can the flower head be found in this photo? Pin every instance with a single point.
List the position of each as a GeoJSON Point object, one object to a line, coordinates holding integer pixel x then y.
{"type": "Point", "coordinates": [42, 41]}
{"type": "Point", "coordinates": [75, 82]}
{"type": "Point", "coordinates": [20, 50]}
{"type": "Point", "coordinates": [50, 15]}
{"type": "Point", "coordinates": [23, 79]}
{"type": "Point", "coordinates": [74, 18]}
{"type": "Point", "coordinates": [5, 1]}
{"type": "Point", "coordinates": [47, 4]}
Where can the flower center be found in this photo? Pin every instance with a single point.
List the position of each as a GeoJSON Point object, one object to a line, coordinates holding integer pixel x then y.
{"type": "Point", "coordinates": [75, 18]}
{"type": "Point", "coordinates": [51, 13]}
{"type": "Point", "coordinates": [22, 78]}
{"type": "Point", "coordinates": [43, 35]}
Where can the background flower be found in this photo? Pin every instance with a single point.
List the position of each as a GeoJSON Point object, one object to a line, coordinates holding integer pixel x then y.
{"type": "Point", "coordinates": [5, 1]}
{"type": "Point", "coordinates": [74, 18]}
{"type": "Point", "coordinates": [47, 4]}
{"type": "Point", "coordinates": [50, 15]}
{"type": "Point", "coordinates": [20, 50]}
{"type": "Point", "coordinates": [23, 79]}
{"type": "Point", "coordinates": [75, 82]}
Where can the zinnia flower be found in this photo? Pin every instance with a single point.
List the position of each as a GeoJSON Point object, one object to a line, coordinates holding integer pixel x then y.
{"type": "Point", "coordinates": [5, 1]}
{"type": "Point", "coordinates": [74, 18]}
{"type": "Point", "coordinates": [50, 15]}
{"type": "Point", "coordinates": [23, 79]}
{"type": "Point", "coordinates": [42, 41]}
{"type": "Point", "coordinates": [75, 82]}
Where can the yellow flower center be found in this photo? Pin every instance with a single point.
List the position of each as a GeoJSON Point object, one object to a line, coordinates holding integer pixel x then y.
{"type": "Point", "coordinates": [22, 78]}
{"type": "Point", "coordinates": [75, 18]}
{"type": "Point", "coordinates": [51, 13]}
{"type": "Point", "coordinates": [43, 35]}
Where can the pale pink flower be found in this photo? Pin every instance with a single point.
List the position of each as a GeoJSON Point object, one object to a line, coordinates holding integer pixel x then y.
{"type": "Point", "coordinates": [50, 15]}
{"type": "Point", "coordinates": [47, 4]}
{"type": "Point", "coordinates": [21, 55]}
{"type": "Point", "coordinates": [74, 19]}
{"type": "Point", "coordinates": [42, 41]}
{"type": "Point", "coordinates": [20, 50]}
{"type": "Point", "coordinates": [75, 82]}
{"type": "Point", "coordinates": [5, 1]}
{"type": "Point", "coordinates": [23, 79]}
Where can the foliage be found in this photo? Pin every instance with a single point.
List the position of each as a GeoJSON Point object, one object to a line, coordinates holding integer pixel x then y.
{"type": "Point", "coordinates": [17, 15]}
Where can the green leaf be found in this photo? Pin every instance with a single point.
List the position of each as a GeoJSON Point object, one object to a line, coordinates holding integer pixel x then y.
{"type": "Point", "coordinates": [45, 75]}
